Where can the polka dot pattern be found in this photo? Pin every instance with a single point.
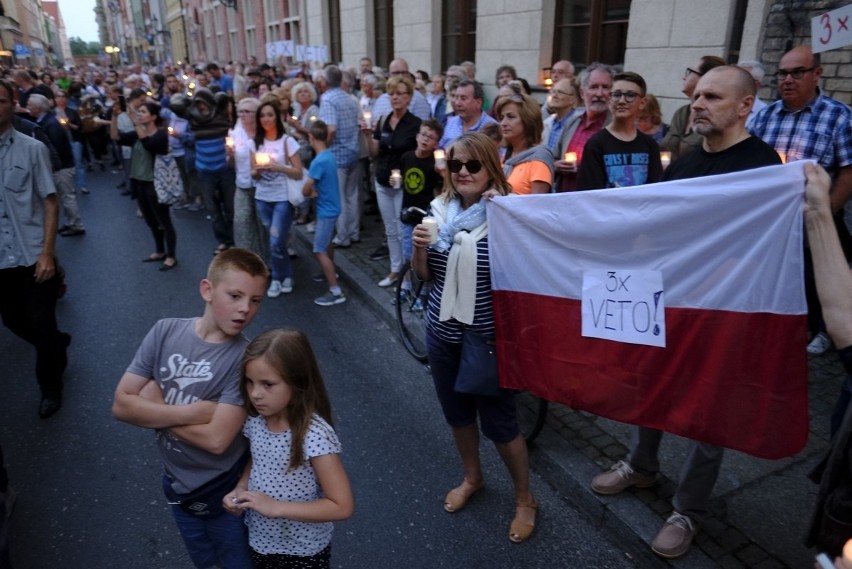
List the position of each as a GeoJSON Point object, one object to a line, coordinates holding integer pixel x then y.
{"type": "Point", "coordinates": [270, 454]}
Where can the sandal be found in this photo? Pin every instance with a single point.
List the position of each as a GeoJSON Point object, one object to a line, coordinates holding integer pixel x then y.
{"type": "Point", "coordinates": [154, 257]}
{"type": "Point", "coordinates": [457, 497]}
{"type": "Point", "coordinates": [519, 530]}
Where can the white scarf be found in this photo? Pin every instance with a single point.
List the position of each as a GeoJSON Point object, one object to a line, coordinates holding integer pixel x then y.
{"type": "Point", "coordinates": [458, 299]}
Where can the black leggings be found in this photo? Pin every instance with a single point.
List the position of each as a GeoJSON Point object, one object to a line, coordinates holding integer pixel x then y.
{"type": "Point", "coordinates": [158, 217]}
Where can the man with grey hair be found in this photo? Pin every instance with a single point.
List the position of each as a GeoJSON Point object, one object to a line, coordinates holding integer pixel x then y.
{"type": "Point", "coordinates": [757, 72]}
{"type": "Point", "coordinates": [595, 88]}
{"type": "Point", "coordinates": [39, 108]}
{"type": "Point", "coordinates": [469, 117]}
{"type": "Point", "coordinates": [339, 111]}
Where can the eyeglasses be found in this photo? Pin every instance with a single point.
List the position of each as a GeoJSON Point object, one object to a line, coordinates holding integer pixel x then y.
{"type": "Point", "coordinates": [797, 73]}
{"type": "Point", "coordinates": [562, 93]}
{"type": "Point", "coordinates": [427, 136]}
{"type": "Point", "coordinates": [246, 112]}
{"type": "Point", "coordinates": [473, 166]}
{"type": "Point", "coordinates": [629, 96]}
{"type": "Point", "coordinates": [691, 70]}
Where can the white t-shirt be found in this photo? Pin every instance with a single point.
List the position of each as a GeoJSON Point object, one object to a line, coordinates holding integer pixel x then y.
{"type": "Point", "coordinates": [272, 186]}
{"type": "Point", "coordinates": [270, 453]}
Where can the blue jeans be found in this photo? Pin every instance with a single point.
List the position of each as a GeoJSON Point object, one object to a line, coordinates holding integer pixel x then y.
{"type": "Point", "coordinates": [79, 166]}
{"type": "Point", "coordinates": [277, 217]}
{"type": "Point", "coordinates": [221, 541]}
{"type": "Point", "coordinates": [407, 245]}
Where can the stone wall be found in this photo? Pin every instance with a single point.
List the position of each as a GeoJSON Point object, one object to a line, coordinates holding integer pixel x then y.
{"type": "Point", "coordinates": [789, 24]}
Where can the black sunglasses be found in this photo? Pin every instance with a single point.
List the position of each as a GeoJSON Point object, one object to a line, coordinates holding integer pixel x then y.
{"type": "Point", "coordinates": [473, 166]}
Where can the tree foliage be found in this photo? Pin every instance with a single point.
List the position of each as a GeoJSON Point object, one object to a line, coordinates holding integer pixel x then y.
{"type": "Point", "coordinates": [82, 47]}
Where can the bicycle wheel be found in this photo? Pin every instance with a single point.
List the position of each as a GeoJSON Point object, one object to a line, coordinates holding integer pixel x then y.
{"type": "Point", "coordinates": [410, 310]}
{"type": "Point", "coordinates": [531, 412]}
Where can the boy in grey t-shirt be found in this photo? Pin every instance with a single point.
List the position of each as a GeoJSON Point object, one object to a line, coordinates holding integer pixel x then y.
{"type": "Point", "coordinates": [184, 382]}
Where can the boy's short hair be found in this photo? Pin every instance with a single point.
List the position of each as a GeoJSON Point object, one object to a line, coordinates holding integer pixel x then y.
{"type": "Point", "coordinates": [492, 131]}
{"type": "Point", "coordinates": [236, 259]}
{"type": "Point", "coordinates": [632, 78]}
{"type": "Point", "coordinates": [434, 126]}
{"type": "Point", "coordinates": [319, 130]}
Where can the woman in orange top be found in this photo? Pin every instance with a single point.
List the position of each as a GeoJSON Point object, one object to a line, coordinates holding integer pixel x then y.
{"type": "Point", "coordinates": [527, 164]}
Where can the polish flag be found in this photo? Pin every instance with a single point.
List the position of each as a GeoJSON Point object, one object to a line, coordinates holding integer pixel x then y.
{"type": "Point", "coordinates": [678, 306]}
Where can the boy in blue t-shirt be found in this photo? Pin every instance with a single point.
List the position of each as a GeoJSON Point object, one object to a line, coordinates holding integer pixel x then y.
{"type": "Point", "coordinates": [322, 185]}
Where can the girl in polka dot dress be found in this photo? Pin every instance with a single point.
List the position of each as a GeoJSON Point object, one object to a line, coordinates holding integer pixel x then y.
{"type": "Point", "coordinates": [295, 485]}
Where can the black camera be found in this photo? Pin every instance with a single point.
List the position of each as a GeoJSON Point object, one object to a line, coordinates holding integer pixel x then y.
{"type": "Point", "coordinates": [412, 215]}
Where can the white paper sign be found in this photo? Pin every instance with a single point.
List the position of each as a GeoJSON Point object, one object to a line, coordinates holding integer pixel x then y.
{"type": "Point", "coordinates": [286, 48]}
{"type": "Point", "coordinates": [832, 29]}
{"type": "Point", "coordinates": [624, 306]}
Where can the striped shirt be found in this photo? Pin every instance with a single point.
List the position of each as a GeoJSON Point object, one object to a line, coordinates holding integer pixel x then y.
{"type": "Point", "coordinates": [483, 314]}
{"type": "Point", "coordinates": [455, 128]}
{"type": "Point", "coordinates": [210, 155]}
{"type": "Point", "coordinates": [821, 131]}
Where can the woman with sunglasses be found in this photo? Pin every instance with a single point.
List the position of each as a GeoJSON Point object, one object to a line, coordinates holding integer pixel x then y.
{"type": "Point", "coordinates": [394, 135]}
{"type": "Point", "coordinates": [681, 139]}
{"type": "Point", "coordinates": [527, 163]}
{"type": "Point", "coordinates": [459, 303]}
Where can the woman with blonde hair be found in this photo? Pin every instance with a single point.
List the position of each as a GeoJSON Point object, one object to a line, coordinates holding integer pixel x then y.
{"type": "Point", "coordinates": [650, 120]}
{"type": "Point", "coordinates": [527, 163]}
{"type": "Point", "coordinates": [394, 135]}
{"type": "Point", "coordinates": [460, 305]}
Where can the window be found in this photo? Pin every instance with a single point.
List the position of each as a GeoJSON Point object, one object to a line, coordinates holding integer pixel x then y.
{"type": "Point", "coordinates": [458, 32]}
{"type": "Point", "coordinates": [336, 52]}
{"type": "Point", "coordinates": [591, 30]}
{"type": "Point", "coordinates": [384, 32]}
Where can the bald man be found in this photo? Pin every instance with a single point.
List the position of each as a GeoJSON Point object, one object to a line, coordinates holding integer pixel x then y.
{"type": "Point", "coordinates": [806, 125]}
{"type": "Point", "coordinates": [721, 102]}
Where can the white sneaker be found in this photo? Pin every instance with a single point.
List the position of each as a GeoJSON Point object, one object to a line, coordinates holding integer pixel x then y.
{"type": "Point", "coordinates": [287, 285]}
{"type": "Point", "coordinates": [274, 290]}
{"type": "Point", "coordinates": [820, 344]}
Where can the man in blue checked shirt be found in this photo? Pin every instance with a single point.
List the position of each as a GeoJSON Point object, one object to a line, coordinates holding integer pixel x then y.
{"type": "Point", "coordinates": [806, 125]}
{"type": "Point", "coordinates": [340, 111]}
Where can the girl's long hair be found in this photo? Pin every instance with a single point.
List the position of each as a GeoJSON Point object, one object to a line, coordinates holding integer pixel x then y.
{"type": "Point", "coordinates": [289, 352]}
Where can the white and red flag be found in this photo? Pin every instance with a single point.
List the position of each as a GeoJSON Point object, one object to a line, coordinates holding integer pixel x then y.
{"type": "Point", "coordinates": [678, 306]}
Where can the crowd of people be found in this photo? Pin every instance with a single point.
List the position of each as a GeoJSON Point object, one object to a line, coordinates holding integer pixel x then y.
{"type": "Point", "coordinates": [262, 148]}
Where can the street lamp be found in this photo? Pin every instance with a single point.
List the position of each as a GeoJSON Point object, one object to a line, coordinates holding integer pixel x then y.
{"type": "Point", "coordinates": [113, 52]}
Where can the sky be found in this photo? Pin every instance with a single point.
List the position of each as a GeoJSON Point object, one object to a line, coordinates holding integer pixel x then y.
{"type": "Point", "coordinates": [79, 19]}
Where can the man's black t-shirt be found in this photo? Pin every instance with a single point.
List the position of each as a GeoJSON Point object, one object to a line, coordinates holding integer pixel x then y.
{"type": "Point", "coordinates": [746, 155]}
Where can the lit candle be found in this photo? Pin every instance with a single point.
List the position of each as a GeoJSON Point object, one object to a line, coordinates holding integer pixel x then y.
{"type": "Point", "coordinates": [171, 130]}
{"type": "Point", "coordinates": [395, 178]}
{"type": "Point", "coordinates": [192, 85]}
{"type": "Point", "coordinates": [571, 158]}
{"type": "Point", "coordinates": [149, 93]}
{"type": "Point", "coordinates": [368, 117]}
{"type": "Point", "coordinates": [313, 118]}
{"type": "Point", "coordinates": [783, 156]}
{"type": "Point", "coordinates": [63, 121]}
{"type": "Point", "coordinates": [440, 159]}
{"type": "Point", "coordinates": [229, 142]}
{"type": "Point", "coordinates": [666, 158]}
{"type": "Point", "coordinates": [261, 159]}
{"type": "Point", "coordinates": [295, 118]}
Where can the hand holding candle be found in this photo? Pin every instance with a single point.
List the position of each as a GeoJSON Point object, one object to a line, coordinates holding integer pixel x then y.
{"type": "Point", "coordinates": [262, 159]}
{"type": "Point", "coordinates": [571, 159]}
{"type": "Point", "coordinates": [395, 179]}
{"type": "Point", "coordinates": [665, 158]}
{"type": "Point", "coordinates": [440, 159]}
{"type": "Point", "coordinates": [368, 118]}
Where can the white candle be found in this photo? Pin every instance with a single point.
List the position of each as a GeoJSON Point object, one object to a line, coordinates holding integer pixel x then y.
{"type": "Point", "coordinates": [368, 117]}
{"type": "Point", "coordinates": [666, 158]}
{"type": "Point", "coordinates": [172, 131]}
{"type": "Point", "coordinates": [571, 158]}
{"type": "Point", "coordinates": [229, 141]}
{"type": "Point", "coordinates": [440, 159]}
{"type": "Point", "coordinates": [261, 159]}
{"type": "Point", "coordinates": [432, 225]}
{"type": "Point", "coordinates": [395, 178]}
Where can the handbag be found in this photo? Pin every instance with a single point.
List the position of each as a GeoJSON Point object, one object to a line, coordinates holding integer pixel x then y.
{"type": "Point", "coordinates": [167, 181]}
{"type": "Point", "coordinates": [478, 373]}
{"type": "Point", "coordinates": [294, 187]}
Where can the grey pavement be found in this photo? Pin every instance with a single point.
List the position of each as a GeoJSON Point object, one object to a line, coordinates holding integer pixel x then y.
{"type": "Point", "coordinates": [759, 509]}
